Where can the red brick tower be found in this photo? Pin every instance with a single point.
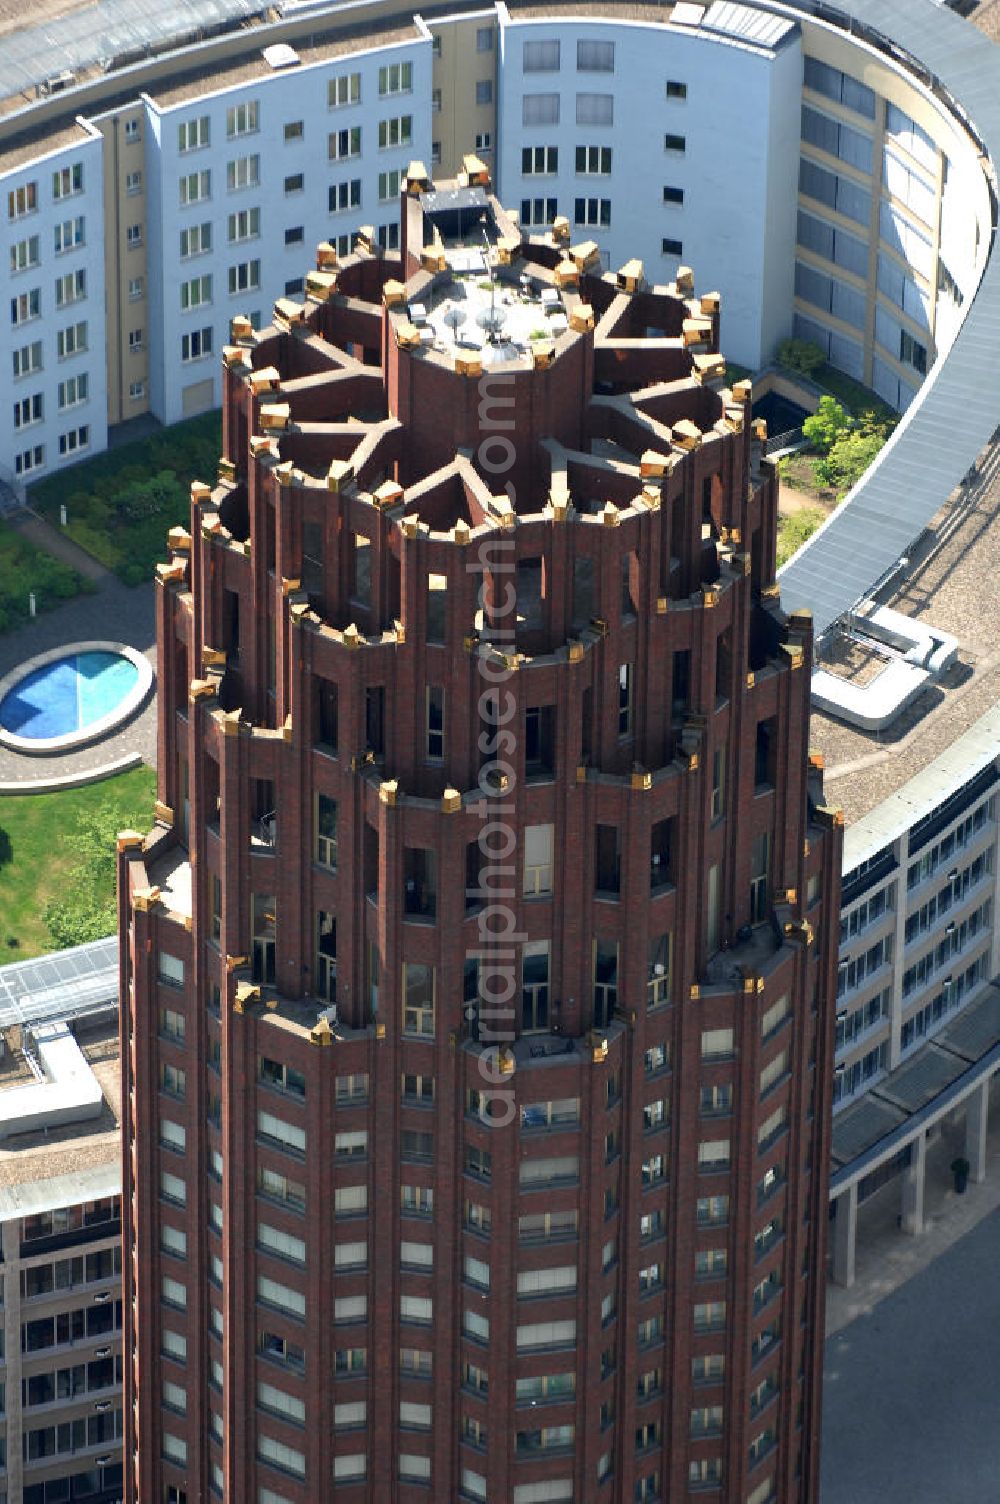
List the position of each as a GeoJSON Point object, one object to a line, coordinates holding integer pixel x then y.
{"type": "Point", "coordinates": [479, 968]}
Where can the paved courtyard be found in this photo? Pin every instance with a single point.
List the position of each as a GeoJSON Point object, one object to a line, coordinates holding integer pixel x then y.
{"type": "Point", "coordinates": [912, 1400]}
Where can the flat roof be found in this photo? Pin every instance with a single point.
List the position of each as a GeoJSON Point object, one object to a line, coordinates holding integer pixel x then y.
{"type": "Point", "coordinates": [947, 585]}
{"type": "Point", "coordinates": [72, 1149]}
{"type": "Point", "coordinates": [614, 10]}
{"type": "Point", "coordinates": [171, 873]}
{"type": "Point", "coordinates": [53, 37]}
{"type": "Point", "coordinates": [721, 20]}
{"type": "Point", "coordinates": [33, 145]}
{"type": "Point", "coordinates": [27, 1199]}
{"type": "Point", "coordinates": [925, 792]}
{"type": "Point", "coordinates": [192, 82]}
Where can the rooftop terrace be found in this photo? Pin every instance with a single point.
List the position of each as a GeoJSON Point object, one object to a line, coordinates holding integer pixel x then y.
{"type": "Point", "coordinates": [948, 583]}
{"type": "Point", "coordinates": [499, 312]}
{"type": "Point", "coordinates": [70, 1147]}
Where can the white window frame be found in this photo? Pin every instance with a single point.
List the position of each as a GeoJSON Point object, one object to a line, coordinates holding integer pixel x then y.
{"type": "Point", "coordinates": [193, 135]}
{"type": "Point", "coordinates": [395, 78]}
{"type": "Point", "coordinates": [396, 131]}
{"type": "Point", "coordinates": [242, 119]}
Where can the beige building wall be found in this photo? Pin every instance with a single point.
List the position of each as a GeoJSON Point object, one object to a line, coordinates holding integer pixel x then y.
{"type": "Point", "coordinates": [125, 241]}
{"type": "Point", "coordinates": [465, 63]}
{"type": "Point", "coordinates": [955, 154]}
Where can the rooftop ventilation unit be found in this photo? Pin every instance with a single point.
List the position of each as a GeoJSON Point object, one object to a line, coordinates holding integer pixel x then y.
{"type": "Point", "coordinates": [280, 55]}
{"type": "Point", "coordinates": [55, 83]}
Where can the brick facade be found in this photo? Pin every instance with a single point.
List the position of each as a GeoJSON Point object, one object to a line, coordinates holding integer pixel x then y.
{"type": "Point", "coordinates": [322, 634]}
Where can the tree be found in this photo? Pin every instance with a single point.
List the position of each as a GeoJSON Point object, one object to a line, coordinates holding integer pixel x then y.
{"type": "Point", "coordinates": [826, 425]}
{"type": "Point", "coordinates": [848, 459]}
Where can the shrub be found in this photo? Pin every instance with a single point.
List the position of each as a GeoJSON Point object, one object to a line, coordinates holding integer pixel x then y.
{"type": "Point", "coordinates": [801, 355]}
{"type": "Point", "coordinates": [25, 569]}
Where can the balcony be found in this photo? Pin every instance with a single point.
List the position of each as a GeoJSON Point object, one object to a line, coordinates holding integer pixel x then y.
{"type": "Point", "coordinates": [171, 874]}
{"type": "Point", "coordinates": [750, 950]}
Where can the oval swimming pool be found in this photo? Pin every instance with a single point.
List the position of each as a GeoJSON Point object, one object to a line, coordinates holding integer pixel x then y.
{"type": "Point", "coordinates": [71, 697]}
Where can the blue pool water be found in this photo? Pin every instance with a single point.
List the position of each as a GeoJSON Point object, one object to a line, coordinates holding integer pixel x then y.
{"type": "Point", "coordinates": [67, 695]}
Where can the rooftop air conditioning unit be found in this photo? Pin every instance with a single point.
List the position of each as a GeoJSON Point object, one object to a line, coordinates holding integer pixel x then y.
{"type": "Point", "coordinates": [56, 82]}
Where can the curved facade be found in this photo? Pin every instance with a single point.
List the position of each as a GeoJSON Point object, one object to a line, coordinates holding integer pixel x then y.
{"type": "Point", "coordinates": [516, 1165]}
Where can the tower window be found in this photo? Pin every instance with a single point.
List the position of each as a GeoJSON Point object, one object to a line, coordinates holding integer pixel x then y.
{"type": "Point", "coordinates": [539, 740]}
{"type": "Point", "coordinates": [434, 728]}
{"type": "Point", "coordinates": [419, 883]}
{"type": "Point", "coordinates": [535, 987]}
{"type": "Point", "coordinates": [626, 676]}
{"type": "Point", "coordinates": [608, 860]}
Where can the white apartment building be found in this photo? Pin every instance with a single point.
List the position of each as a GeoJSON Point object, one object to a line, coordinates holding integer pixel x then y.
{"type": "Point", "coordinates": [677, 143]}
{"type": "Point", "coordinates": [54, 360]}
{"type": "Point", "coordinates": [918, 1014]}
{"type": "Point", "coordinates": [245, 180]}
{"type": "Point", "coordinates": [902, 974]}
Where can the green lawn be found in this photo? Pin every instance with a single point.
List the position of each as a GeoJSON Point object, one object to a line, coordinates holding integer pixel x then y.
{"type": "Point", "coordinates": [24, 568]}
{"type": "Point", "coordinates": [121, 504]}
{"type": "Point", "coordinates": [853, 396]}
{"type": "Point", "coordinates": [45, 841]}
{"type": "Point", "coordinates": [795, 529]}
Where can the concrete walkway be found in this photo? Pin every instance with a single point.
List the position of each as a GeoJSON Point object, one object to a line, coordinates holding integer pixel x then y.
{"type": "Point", "coordinates": [791, 501]}
{"type": "Point", "coordinates": [887, 1257]}
{"type": "Point", "coordinates": [911, 1411]}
